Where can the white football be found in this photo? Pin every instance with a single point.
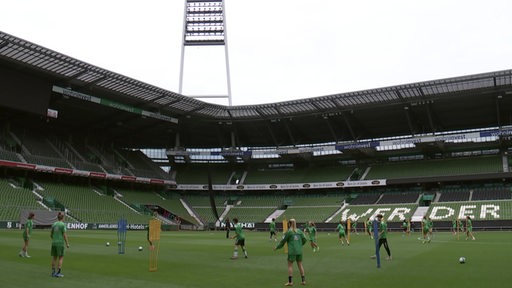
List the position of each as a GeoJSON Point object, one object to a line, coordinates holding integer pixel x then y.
{"type": "Point", "coordinates": [140, 248]}
{"type": "Point", "coordinates": [108, 244]}
{"type": "Point", "coordinates": [462, 260]}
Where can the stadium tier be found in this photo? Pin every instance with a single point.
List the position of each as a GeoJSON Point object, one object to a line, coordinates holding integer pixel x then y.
{"type": "Point", "coordinates": [100, 145]}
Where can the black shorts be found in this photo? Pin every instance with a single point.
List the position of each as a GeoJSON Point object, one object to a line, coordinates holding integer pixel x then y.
{"type": "Point", "coordinates": [240, 242]}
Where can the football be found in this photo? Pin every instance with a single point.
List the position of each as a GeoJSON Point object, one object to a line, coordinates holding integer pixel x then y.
{"type": "Point", "coordinates": [140, 248]}
{"type": "Point", "coordinates": [462, 260]}
{"type": "Point", "coordinates": [108, 244]}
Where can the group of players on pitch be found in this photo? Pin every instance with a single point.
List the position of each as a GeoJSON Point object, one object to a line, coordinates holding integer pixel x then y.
{"type": "Point", "coordinates": [296, 238]}
{"type": "Point", "coordinates": [59, 242]}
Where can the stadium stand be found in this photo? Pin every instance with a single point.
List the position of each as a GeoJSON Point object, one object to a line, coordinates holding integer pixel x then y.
{"type": "Point", "coordinates": [14, 198]}
{"type": "Point", "coordinates": [358, 147]}
{"type": "Point", "coordinates": [437, 167]}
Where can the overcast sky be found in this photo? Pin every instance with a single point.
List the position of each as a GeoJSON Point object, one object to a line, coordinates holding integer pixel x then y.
{"type": "Point", "coordinates": [279, 50]}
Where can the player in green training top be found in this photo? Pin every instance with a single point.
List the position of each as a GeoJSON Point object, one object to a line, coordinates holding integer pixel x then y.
{"type": "Point", "coordinates": [239, 239]}
{"type": "Point", "coordinates": [272, 227]}
{"type": "Point", "coordinates": [469, 228]}
{"type": "Point", "coordinates": [425, 223]}
{"type": "Point", "coordinates": [27, 232]}
{"type": "Point", "coordinates": [383, 235]}
{"type": "Point", "coordinates": [341, 233]}
{"type": "Point", "coordinates": [311, 231]}
{"type": "Point", "coordinates": [295, 240]}
{"type": "Point", "coordinates": [405, 227]}
{"type": "Point", "coordinates": [59, 238]}
{"type": "Point", "coordinates": [369, 227]}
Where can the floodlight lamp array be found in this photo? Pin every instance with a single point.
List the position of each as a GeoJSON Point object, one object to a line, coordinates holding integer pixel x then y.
{"type": "Point", "coordinates": [204, 23]}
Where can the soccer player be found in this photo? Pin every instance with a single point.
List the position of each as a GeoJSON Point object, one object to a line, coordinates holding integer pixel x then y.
{"type": "Point", "coordinates": [311, 231]}
{"type": "Point", "coordinates": [354, 227]}
{"type": "Point", "coordinates": [430, 228]}
{"type": "Point", "coordinates": [240, 239]}
{"type": "Point", "coordinates": [425, 229]}
{"type": "Point", "coordinates": [369, 227]}
{"type": "Point", "coordinates": [27, 231]}
{"type": "Point", "coordinates": [227, 224]}
{"type": "Point", "coordinates": [295, 240]}
{"type": "Point", "coordinates": [469, 228]}
{"type": "Point", "coordinates": [405, 227]}
{"type": "Point", "coordinates": [341, 233]}
{"type": "Point", "coordinates": [454, 226]}
{"type": "Point", "coordinates": [383, 232]}
{"type": "Point", "coordinates": [272, 227]}
{"type": "Point", "coordinates": [59, 238]}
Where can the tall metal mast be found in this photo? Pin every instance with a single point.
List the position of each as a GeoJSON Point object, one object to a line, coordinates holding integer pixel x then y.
{"type": "Point", "coordinates": [204, 25]}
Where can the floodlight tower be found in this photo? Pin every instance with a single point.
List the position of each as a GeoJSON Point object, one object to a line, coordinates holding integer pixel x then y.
{"type": "Point", "coordinates": [204, 25]}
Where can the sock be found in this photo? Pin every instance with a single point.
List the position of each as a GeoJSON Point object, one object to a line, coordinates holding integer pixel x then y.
{"type": "Point", "coordinates": [303, 278]}
{"type": "Point", "coordinates": [245, 252]}
{"type": "Point", "coordinates": [235, 252]}
{"type": "Point", "coordinates": [289, 279]}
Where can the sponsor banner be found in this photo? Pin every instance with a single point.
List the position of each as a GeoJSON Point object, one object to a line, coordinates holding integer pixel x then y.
{"type": "Point", "coordinates": [362, 183]}
{"type": "Point", "coordinates": [246, 225]}
{"type": "Point", "coordinates": [63, 171]}
{"type": "Point", "coordinates": [97, 174]}
{"type": "Point", "coordinates": [112, 104]}
{"type": "Point", "coordinates": [116, 177]}
{"type": "Point", "coordinates": [496, 132]}
{"type": "Point", "coordinates": [83, 173]}
{"type": "Point", "coordinates": [102, 226]}
{"type": "Point", "coordinates": [128, 178]}
{"type": "Point", "coordinates": [17, 165]}
{"type": "Point", "coordinates": [226, 153]}
{"type": "Point", "coordinates": [361, 145]}
{"type": "Point", "coordinates": [44, 168]}
{"type": "Point", "coordinates": [287, 186]}
{"type": "Point", "coordinates": [450, 138]}
{"type": "Point", "coordinates": [143, 180]}
{"type": "Point", "coordinates": [10, 225]}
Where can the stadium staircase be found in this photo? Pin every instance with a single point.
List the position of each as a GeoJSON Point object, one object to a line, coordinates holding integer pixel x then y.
{"type": "Point", "coordinates": [276, 214]}
{"type": "Point", "coordinates": [419, 213]}
{"type": "Point", "coordinates": [118, 199]}
{"type": "Point", "coordinates": [191, 212]}
{"type": "Point", "coordinates": [345, 204]}
{"type": "Point", "coordinates": [225, 213]}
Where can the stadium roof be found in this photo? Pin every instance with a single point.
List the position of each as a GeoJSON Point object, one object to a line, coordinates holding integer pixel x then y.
{"type": "Point", "coordinates": [467, 102]}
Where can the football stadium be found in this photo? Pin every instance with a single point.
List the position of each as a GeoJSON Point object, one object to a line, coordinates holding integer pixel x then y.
{"type": "Point", "coordinates": [128, 163]}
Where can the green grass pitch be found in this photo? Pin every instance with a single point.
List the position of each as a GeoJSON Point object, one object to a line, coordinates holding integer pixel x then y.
{"type": "Point", "coordinates": [201, 259]}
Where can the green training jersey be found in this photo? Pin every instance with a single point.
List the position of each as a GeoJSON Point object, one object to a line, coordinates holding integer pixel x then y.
{"type": "Point", "coordinates": [425, 224]}
{"type": "Point", "coordinates": [272, 226]}
{"type": "Point", "coordinates": [469, 224]}
{"type": "Point", "coordinates": [239, 232]}
{"type": "Point", "coordinates": [57, 233]}
{"type": "Point", "coordinates": [340, 229]}
{"type": "Point", "coordinates": [312, 232]}
{"type": "Point", "coordinates": [28, 228]}
{"type": "Point", "coordinates": [295, 242]}
{"type": "Point", "coordinates": [383, 230]}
